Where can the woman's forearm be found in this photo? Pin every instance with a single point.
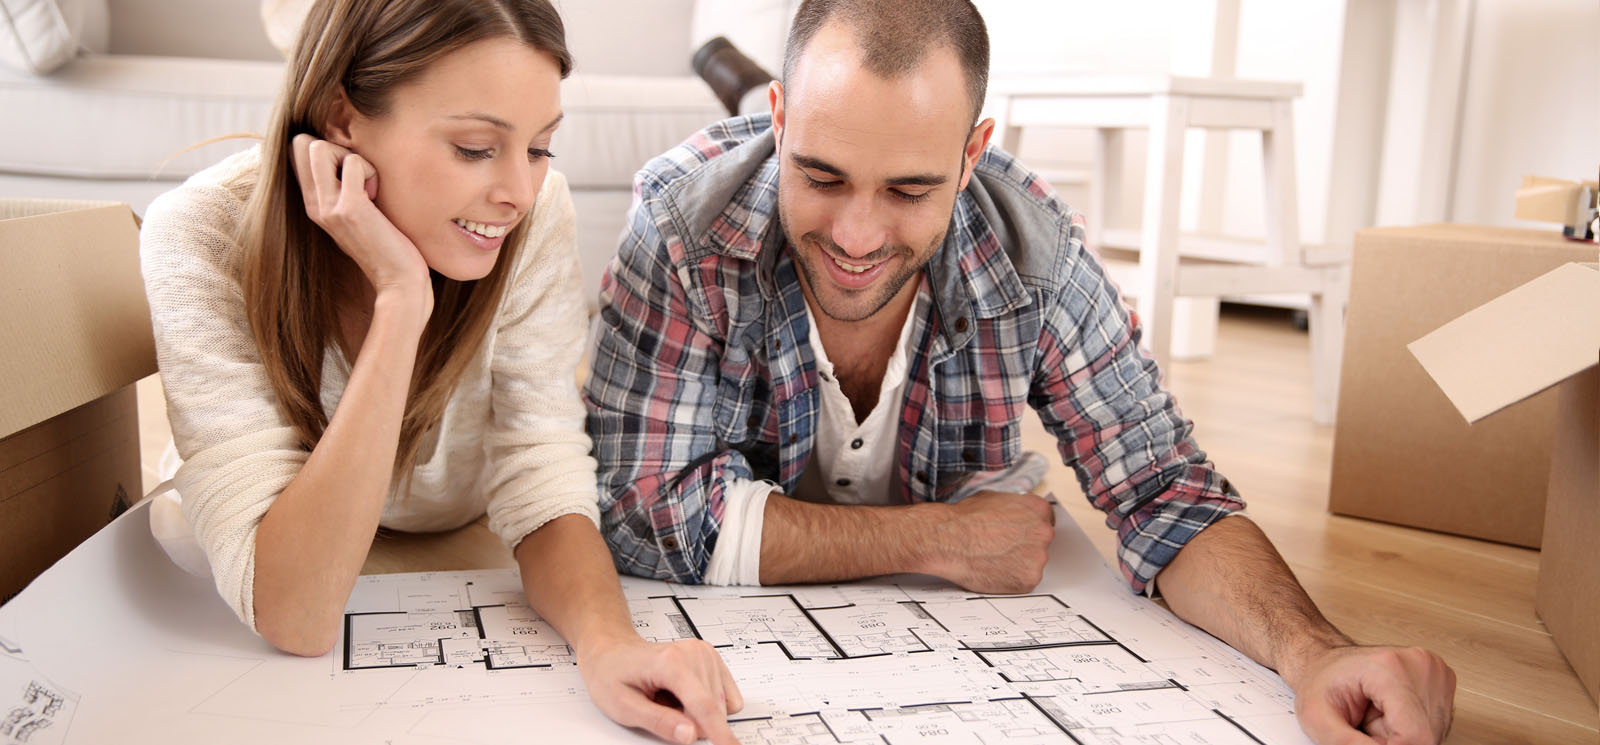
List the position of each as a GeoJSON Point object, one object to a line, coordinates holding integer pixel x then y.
{"type": "Point", "coordinates": [570, 581]}
{"type": "Point", "coordinates": [312, 541]}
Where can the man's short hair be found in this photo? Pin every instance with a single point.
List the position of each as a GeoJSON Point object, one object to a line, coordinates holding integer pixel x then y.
{"type": "Point", "coordinates": [895, 35]}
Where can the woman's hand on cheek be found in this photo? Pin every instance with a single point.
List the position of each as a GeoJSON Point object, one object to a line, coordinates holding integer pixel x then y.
{"type": "Point", "coordinates": [340, 187]}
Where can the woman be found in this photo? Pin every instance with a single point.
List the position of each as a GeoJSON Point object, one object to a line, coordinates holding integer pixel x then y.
{"type": "Point", "coordinates": [374, 318]}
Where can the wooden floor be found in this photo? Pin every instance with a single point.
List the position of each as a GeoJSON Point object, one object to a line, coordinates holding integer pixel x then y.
{"type": "Point", "coordinates": [1469, 600]}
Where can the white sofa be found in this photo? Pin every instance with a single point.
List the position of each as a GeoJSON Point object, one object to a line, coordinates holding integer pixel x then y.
{"type": "Point", "coordinates": [123, 125]}
{"type": "Point", "coordinates": [122, 122]}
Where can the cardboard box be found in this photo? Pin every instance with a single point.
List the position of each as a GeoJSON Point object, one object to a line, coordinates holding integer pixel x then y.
{"type": "Point", "coordinates": [1569, 203]}
{"type": "Point", "coordinates": [1545, 333]}
{"type": "Point", "coordinates": [76, 338]}
{"type": "Point", "coordinates": [1401, 453]}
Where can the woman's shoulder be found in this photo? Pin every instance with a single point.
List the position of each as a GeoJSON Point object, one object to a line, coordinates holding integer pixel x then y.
{"type": "Point", "coordinates": [225, 185]}
{"type": "Point", "coordinates": [552, 228]}
{"type": "Point", "coordinates": [199, 219]}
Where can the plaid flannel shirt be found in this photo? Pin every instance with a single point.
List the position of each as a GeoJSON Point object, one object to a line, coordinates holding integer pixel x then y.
{"type": "Point", "coordinates": [703, 373]}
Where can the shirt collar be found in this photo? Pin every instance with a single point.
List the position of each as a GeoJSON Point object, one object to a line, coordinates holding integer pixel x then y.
{"type": "Point", "coordinates": [895, 373]}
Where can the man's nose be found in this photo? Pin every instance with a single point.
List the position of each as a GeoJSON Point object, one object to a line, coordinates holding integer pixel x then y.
{"type": "Point", "coordinates": [859, 228]}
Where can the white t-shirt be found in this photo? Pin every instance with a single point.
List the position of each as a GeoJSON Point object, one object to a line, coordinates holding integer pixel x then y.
{"type": "Point", "coordinates": [850, 463]}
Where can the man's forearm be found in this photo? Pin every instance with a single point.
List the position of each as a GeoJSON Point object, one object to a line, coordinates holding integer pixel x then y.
{"type": "Point", "coordinates": [808, 542]}
{"type": "Point", "coordinates": [1230, 581]}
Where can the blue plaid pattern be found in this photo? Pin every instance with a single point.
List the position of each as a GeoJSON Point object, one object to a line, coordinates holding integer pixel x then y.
{"type": "Point", "coordinates": [703, 374]}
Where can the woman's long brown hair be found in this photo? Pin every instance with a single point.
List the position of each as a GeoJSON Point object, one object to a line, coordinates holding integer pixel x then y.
{"type": "Point", "coordinates": [290, 266]}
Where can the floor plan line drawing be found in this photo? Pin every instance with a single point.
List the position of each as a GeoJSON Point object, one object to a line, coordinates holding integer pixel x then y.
{"type": "Point", "coordinates": [1023, 668]}
{"type": "Point", "coordinates": [461, 658]}
{"type": "Point", "coordinates": [41, 707]}
{"type": "Point", "coordinates": [1023, 718]}
{"type": "Point", "coordinates": [1246, 732]}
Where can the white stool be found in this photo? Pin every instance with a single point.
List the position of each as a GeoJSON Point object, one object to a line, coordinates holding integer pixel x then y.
{"type": "Point", "coordinates": [1168, 107]}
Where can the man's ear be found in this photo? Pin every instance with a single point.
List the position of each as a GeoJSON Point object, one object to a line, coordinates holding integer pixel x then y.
{"type": "Point", "coordinates": [342, 114]}
{"type": "Point", "coordinates": [775, 100]}
{"type": "Point", "coordinates": [976, 142]}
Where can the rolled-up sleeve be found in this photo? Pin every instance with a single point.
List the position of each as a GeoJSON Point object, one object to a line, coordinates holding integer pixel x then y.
{"type": "Point", "coordinates": [1122, 433]}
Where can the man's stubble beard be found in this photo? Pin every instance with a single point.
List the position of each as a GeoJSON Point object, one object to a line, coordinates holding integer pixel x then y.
{"type": "Point", "coordinates": [816, 277]}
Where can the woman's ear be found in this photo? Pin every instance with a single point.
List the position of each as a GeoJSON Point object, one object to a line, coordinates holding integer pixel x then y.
{"type": "Point", "coordinates": [341, 115]}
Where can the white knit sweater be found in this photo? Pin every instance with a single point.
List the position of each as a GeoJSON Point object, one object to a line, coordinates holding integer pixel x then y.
{"type": "Point", "coordinates": [512, 440]}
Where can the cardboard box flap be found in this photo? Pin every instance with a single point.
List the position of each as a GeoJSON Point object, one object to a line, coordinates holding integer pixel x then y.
{"type": "Point", "coordinates": [77, 325]}
{"type": "Point", "coordinates": [1517, 344]}
{"type": "Point", "coordinates": [1549, 199]}
{"type": "Point", "coordinates": [11, 209]}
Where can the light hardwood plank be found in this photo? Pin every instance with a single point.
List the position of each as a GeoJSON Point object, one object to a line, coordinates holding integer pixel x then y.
{"type": "Point", "coordinates": [1469, 600]}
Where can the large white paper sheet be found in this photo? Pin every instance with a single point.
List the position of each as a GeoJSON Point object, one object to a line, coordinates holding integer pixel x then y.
{"type": "Point", "coordinates": [121, 646]}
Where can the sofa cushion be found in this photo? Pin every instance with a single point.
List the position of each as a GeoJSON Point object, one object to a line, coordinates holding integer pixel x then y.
{"type": "Point", "coordinates": [628, 37]}
{"type": "Point", "coordinates": [212, 29]}
{"type": "Point", "coordinates": [615, 123]}
{"type": "Point", "coordinates": [38, 36]}
{"type": "Point", "coordinates": [132, 117]}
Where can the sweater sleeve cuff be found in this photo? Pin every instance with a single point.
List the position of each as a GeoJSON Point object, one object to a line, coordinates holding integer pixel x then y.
{"type": "Point", "coordinates": [736, 559]}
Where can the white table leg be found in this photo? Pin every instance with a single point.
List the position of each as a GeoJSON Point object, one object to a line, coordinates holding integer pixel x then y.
{"type": "Point", "coordinates": [1105, 190]}
{"type": "Point", "coordinates": [1327, 343]}
{"type": "Point", "coordinates": [1283, 209]}
{"type": "Point", "coordinates": [1158, 243]}
{"type": "Point", "coordinates": [1006, 134]}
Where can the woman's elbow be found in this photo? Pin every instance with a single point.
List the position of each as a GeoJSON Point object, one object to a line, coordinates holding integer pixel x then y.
{"type": "Point", "coordinates": [297, 636]}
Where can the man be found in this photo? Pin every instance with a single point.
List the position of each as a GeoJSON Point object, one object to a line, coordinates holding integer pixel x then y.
{"type": "Point", "coordinates": [818, 338]}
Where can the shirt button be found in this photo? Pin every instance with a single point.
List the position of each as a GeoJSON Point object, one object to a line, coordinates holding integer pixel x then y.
{"type": "Point", "coordinates": [793, 438]}
{"type": "Point", "coordinates": [969, 455]}
{"type": "Point", "coordinates": [777, 344]}
{"type": "Point", "coordinates": [856, 444]}
{"type": "Point", "coordinates": [961, 325]}
{"type": "Point", "coordinates": [826, 377]}
{"type": "Point", "coordinates": [670, 543]}
{"type": "Point", "coordinates": [753, 422]}
{"type": "Point", "coordinates": [922, 476]}
{"type": "Point", "coordinates": [843, 482]}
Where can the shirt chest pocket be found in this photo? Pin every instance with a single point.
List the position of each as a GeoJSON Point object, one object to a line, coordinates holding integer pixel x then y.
{"type": "Point", "coordinates": [979, 446]}
{"type": "Point", "coordinates": [743, 411]}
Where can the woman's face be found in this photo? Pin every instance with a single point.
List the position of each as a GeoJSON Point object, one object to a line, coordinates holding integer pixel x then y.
{"type": "Point", "coordinates": [463, 150]}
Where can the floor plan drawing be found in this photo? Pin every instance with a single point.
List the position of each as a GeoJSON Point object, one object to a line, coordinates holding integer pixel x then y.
{"type": "Point", "coordinates": [880, 662]}
{"type": "Point", "coordinates": [141, 652]}
{"type": "Point", "coordinates": [37, 716]}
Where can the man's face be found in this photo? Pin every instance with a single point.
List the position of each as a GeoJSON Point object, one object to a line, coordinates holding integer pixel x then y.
{"type": "Point", "coordinates": [869, 169]}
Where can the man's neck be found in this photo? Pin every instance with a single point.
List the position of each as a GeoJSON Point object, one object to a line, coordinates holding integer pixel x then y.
{"type": "Point", "coordinates": [882, 327]}
{"type": "Point", "coordinates": [860, 350]}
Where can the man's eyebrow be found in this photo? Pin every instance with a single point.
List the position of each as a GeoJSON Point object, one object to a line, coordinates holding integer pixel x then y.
{"type": "Point", "coordinates": [818, 164]}
{"type": "Point", "coordinates": [499, 123]}
{"type": "Point", "coordinates": [925, 179]}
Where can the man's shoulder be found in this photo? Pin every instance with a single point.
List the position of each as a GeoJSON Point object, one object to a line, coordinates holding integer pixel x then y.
{"type": "Point", "coordinates": [1021, 191]}
{"type": "Point", "coordinates": [1038, 231]}
{"type": "Point", "coordinates": [738, 136]}
{"type": "Point", "coordinates": [713, 197]}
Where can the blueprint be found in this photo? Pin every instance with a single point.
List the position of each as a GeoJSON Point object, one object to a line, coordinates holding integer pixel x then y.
{"type": "Point", "coordinates": [885, 662]}
{"type": "Point", "coordinates": [151, 655]}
